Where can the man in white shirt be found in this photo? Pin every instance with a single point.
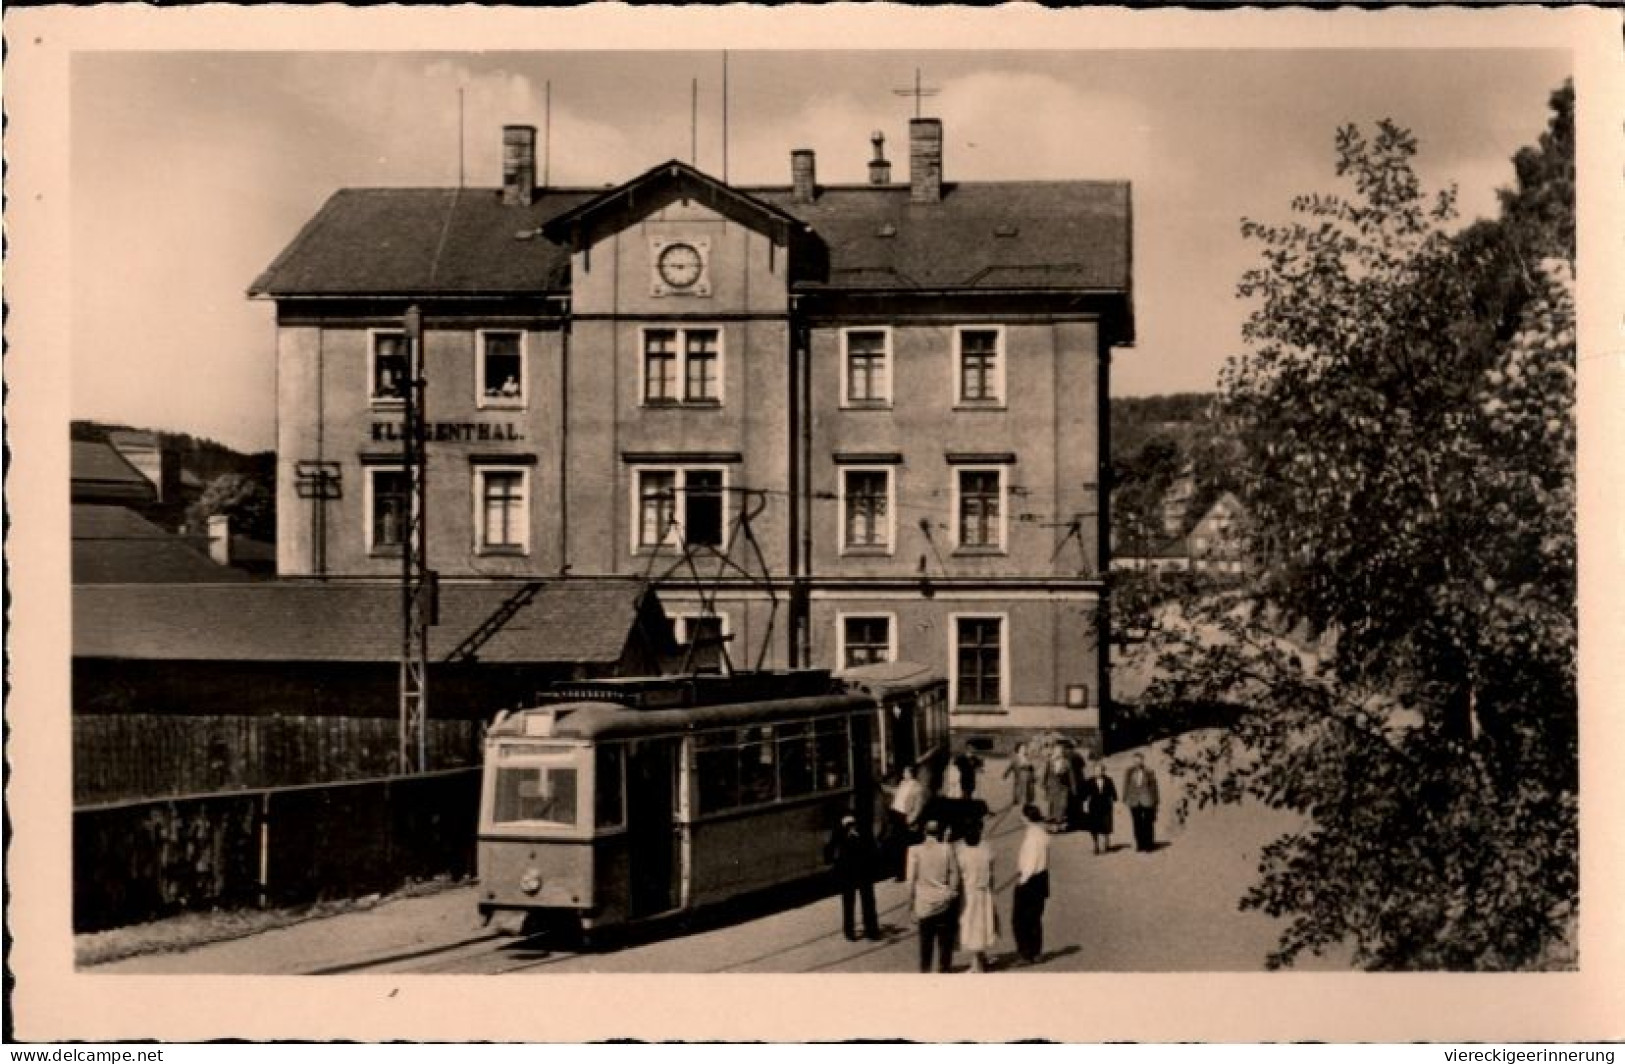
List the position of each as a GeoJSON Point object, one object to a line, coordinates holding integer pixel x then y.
{"type": "Point", "coordinates": [906, 806]}
{"type": "Point", "coordinates": [1032, 887]}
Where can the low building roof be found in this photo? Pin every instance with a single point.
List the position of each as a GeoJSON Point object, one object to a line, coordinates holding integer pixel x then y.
{"type": "Point", "coordinates": [568, 620]}
{"type": "Point", "coordinates": [100, 472]}
{"type": "Point", "coordinates": [116, 545]}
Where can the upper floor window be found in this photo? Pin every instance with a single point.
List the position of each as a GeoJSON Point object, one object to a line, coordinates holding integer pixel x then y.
{"type": "Point", "coordinates": [388, 369]}
{"type": "Point", "coordinates": [979, 366]}
{"type": "Point", "coordinates": [866, 509]}
{"type": "Point", "coordinates": [866, 374]}
{"type": "Point", "coordinates": [500, 366]}
{"type": "Point", "coordinates": [388, 505]}
{"type": "Point", "coordinates": [678, 505]}
{"type": "Point", "coordinates": [503, 525]}
{"type": "Point", "coordinates": [682, 366]}
{"type": "Point", "coordinates": [979, 506]}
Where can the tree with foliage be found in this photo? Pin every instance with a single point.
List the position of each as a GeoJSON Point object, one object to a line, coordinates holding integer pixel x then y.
{"type": "Point", "coordinates": [248, 502]}
{"type": "Point", "coordinates": [1408, 463]}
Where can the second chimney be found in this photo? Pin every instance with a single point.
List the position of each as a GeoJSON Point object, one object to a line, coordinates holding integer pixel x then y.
{"type": "Point", "coordinates": [803, 176]}
{"type": "Point", "coordinates": [879, 166]}
{"type": "Point", "coordinates": [518, 165]}
{"type": "Point", "coordinates": [925, 160]}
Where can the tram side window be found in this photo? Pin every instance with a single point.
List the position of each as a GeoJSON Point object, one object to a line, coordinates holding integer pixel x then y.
{"type": "Point", "coordinates": [758, 775]}
{"type": "Point", "coordinates": [834, 748]}
{"type": "Point", "coordinates": [795, 760]}
{"type": "Point", "coordinates": [609, 811]}
{"type": "Point", "coordinates": [536, 794]}
{"type": "Point", "coordinates": [716, 763]}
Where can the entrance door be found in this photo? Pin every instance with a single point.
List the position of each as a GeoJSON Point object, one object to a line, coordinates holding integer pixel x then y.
{"type": "Point", "coordinates": [651, 788]}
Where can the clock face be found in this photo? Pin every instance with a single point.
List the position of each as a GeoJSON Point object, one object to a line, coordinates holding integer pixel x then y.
{"type": "Point", "coordinates": [680, 265]}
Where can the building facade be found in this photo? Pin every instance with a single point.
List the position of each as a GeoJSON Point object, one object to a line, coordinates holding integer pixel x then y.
{"type": "Point", "coordinates": [833, 424]}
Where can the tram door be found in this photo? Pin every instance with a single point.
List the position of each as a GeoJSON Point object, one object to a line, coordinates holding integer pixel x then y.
{"type": "Point", "coordinates": [650, 825]}
{"type": "Point", "coordinates": [905, 749]}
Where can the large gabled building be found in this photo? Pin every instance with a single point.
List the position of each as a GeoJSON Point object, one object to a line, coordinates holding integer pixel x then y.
{"type": "Point", "coordinates": [884, 404]}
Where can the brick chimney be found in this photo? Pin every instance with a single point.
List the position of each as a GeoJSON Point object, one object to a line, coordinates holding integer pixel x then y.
{"type": "Point", "coordinates": [803, 176]}
{"type": "Point", "coordinates": [879, 166]}
{"type": "Point", "coordinates": [220, 538]}
{"type": "Point", "coordinates": [518, 165]}
{"type": "Point", "coordinates": [925, 160]}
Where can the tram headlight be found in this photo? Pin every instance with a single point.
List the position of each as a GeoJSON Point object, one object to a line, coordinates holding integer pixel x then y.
{"type": "Point", "coordinates": [531, 881]}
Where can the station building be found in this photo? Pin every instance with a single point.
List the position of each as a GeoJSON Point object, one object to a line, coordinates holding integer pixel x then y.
{"type": "Point", "coordinates": [873, 416]}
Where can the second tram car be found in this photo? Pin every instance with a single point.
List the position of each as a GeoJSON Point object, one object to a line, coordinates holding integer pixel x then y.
{"type": "Point", "coordinates": [617, 801]}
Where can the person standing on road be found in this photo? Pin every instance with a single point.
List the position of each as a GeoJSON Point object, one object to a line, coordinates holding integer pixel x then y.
{"type": "Point", "coordinates": [1098, 795]}
{"type": "Point", "coordinates": [967, 765]}
{"type": "Point", "coordinates": [906, 806]}
{"type": "Point", "coordinates": [852, 854]}
{"type": "Point", "coordinates": [978, 920]}
{"type": "Point", "coordinates": [1032, 887]}
{"type": "Point", "coordinates": [1058, 790]}
{"type": "Point", "coordinates": [933, 879]}
{"type": "Point", "coordinates": [1019, 771]}
{"type": "Point", "coordinates": [1140, 795]}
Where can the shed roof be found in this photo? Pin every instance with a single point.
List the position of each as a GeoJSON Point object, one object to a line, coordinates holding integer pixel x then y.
{"type": "Point", "coordinates": [567, 621]}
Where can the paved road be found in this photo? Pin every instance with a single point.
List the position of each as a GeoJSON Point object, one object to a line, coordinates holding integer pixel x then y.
{"type": "Point", "coordinates": [1169, 911]}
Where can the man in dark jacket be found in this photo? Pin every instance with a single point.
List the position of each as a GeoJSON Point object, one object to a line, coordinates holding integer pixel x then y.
{"type": "Point", "coordinates": [852, 854]}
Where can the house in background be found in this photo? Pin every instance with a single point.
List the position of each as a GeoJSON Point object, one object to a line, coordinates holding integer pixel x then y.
{"type": "Point", "coordinates": [1214, 543]}
{"type": "Point", "coordinates": [875, 412]}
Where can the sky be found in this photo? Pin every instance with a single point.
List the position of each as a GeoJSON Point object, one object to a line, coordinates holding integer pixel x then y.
{"type": "Point", "coordinates": [191, 171]}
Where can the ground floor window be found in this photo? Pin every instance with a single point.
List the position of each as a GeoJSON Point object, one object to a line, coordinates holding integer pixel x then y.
{"type": "Point", "coordinates": [503, 525]}
{"type": "Point", "coordinates": [979, 661]}
{"type": "Point", "coordinates": [388, 506]}
{"type": "Point", "coordinates": [865, 640]}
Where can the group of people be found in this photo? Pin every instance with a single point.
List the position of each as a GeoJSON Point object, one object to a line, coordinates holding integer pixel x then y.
{"type": "Point", "coordinates": [948, 865]}
{"type": "Point", "coordinates": [951, 894]}
{"type": "Point", "coordinates": [1053, 774]}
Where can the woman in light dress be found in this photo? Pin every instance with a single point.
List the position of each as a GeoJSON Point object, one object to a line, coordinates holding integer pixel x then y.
{"type": "Point", "coordinates": [978, 921]}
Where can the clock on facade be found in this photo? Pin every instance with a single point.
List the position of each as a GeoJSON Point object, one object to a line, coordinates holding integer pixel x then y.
{"type": "Point", "coordinates": [680, 267]}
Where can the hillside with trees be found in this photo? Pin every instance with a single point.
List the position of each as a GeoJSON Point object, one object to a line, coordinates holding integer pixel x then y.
{"type": "Point", "coordinates": [1404, 431]}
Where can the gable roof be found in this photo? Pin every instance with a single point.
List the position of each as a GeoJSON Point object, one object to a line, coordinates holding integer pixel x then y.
{"type": "Point", "coordinates": [659, 187]}
{"type": "Point", "coordinates": [567, 621]}
{"type": "Point", "coordinates": [115, 545]}
{"type": "Point", "coordinates": [100, 473]}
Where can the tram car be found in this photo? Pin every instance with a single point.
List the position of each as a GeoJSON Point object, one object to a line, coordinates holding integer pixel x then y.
{"type": "Point", "coordinates": [616, 801]}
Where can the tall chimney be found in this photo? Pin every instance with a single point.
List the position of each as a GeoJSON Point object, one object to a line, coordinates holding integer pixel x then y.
{"type": "Point", "coordinates": [803, 176]}
{"type": "Point", "coordinates": [879, 167]}
{"type": "Point", "coordinates": [518, 165]}
{"type": "Point", "coordinates": [925, 160]}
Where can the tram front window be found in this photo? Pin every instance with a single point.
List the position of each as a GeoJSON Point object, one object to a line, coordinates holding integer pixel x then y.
{"type": "Point", "coordinates": [537, 790]}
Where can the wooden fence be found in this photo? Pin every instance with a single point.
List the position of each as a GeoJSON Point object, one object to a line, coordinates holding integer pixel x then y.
{"type": "Point", "coordinates": [147, 755]}
{"type": "Point", "coordinates": [137, 861]}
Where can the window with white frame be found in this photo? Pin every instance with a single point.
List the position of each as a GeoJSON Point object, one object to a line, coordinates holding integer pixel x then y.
{"type": "Point", "coordinates": [865, 639]}
{"type": "Point", "coordinates": [866, 362]}
{"type": "Point", "coordinates": [979, 365]}
{"type": "Point", "coordinates": [502, 518]}
{"type": "Point", "coordinates": [979, 668]}
{"type": "Point", "coordinates": [979, 506]}
{"type": "Point", "coordinates": [678, 505]}
{"type": "Point", "coordinates": [500, 368]}
{"type": "Point", "coordinates": [866, 509]}
{"type": "Point", "coordinates": [389, 503]}
{"type": "Point", "coordinates": [387, 367]}
{"type": "Point", "coordinates": [682, 366]}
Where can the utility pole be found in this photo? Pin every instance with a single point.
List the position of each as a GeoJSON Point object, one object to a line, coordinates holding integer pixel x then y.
{"type": "Point", "coordinates": [417, 580]}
